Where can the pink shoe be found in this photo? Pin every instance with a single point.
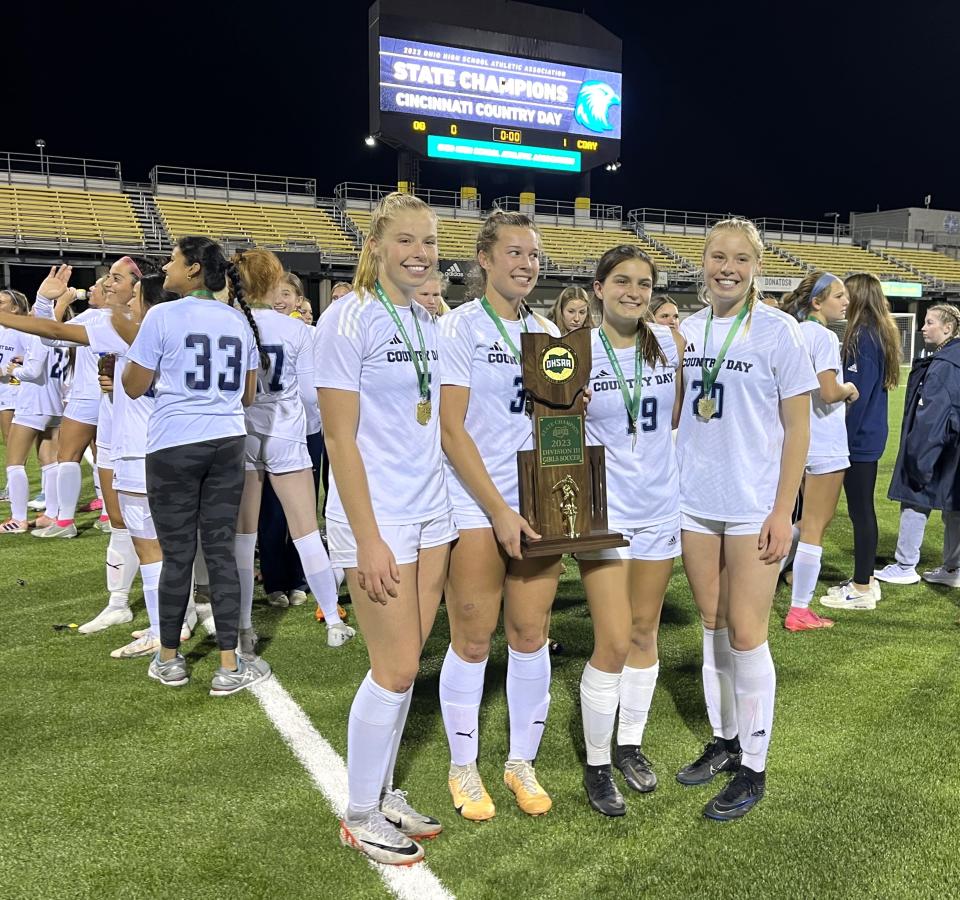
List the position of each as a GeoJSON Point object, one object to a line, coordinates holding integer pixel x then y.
{"type": "Point", "coordinates": [95, 505]}
{"type": "Point", "coordinates": [801, 618]}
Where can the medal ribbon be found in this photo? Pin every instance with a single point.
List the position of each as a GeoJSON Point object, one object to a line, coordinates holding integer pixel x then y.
{"type": "Point", "coordinates": [423, 375]}
{"type": "Point", "coordinates": [710, 375]}
{"type": "Point", "coordinates": [631, 402]}
{"type": "Point", "coordinates": [488, 309]}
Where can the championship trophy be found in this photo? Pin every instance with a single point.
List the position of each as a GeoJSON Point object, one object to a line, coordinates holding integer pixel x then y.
{"type": "Point", "coordinates": [563, 487]}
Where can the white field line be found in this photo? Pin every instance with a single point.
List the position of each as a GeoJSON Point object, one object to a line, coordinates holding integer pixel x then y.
{"type": "Point", "coordinates": [328, 772]}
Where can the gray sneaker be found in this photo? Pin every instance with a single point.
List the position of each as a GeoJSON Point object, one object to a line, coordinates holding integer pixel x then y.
{"type": "Point", "coordinates": [399, 813]}
{"type": "Point", "coordinates": [172, 673]}
{"type": "Point", "coordinates": [247, 644]}
{"type": "Point", "coordinates": [375, 837]}
{"type": "Point", "coordinates": [249, 672]}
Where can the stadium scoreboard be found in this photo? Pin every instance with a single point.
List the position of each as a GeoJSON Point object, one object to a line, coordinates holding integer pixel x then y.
{"type": "Point", "coordinates": [557, 107]}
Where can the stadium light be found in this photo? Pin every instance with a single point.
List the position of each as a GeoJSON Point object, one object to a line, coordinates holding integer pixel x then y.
{"type": "Point", "coordinates": [614, 166]}
{"type": "Point", "coordinates": [370, 140]}
{"type": "Point", "coordinates": [836, 224]}
{"type": "Point", "coordinates": [40, 143]}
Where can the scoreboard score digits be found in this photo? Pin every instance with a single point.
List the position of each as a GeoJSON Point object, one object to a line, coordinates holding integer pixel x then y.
{"type": "Point", "coordinates": [482, 107]}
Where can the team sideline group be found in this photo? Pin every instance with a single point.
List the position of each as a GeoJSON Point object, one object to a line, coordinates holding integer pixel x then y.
{"type": "Point", "coordinates": [210, 426]}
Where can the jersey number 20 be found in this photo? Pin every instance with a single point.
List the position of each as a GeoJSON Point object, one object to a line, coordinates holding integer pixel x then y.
{"type": "Point", "coordinates": [200, 378]}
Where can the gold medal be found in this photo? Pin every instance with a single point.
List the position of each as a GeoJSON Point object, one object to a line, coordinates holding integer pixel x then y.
{"type": "Point", "coordinates": [706, 407]}
{"type": "Point", "coordinates": [424, 411]}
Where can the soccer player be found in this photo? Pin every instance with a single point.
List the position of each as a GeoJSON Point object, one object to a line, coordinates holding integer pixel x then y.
{"type": "Point", "coordinates": [199, 357]}
{"type": "Point", "coordinates": [11, 348]}
{"type": "Point", "coordinates": [388, 517]}
{"type": "Point", "coordinates": [277, 444]}
{"type": "Point", "coordinates": [664, 311]}
{"type": "Point", "coordinates": [742, 444]}
{"type": "Point", "coordinates": [871, 360]}
{"type": "Point", "coordinates": [484, 424]}
{"type": "Point", "coordinates": [430, 295]}
{"type": "Point", "coordinates": [37, 415]}
{"type": "Point", "coordinates": [819, 300]}
{"type": "Point", "coordinates": [636, 394]}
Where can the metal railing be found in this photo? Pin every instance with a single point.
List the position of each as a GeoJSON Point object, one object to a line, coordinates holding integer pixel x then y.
{"type": "Point", "coordinates": [678, 221]}
{"type": "Point", "coordinates": [356, 192]}
{"type": "Point", "coordinates": [38, 168]}
{"type": "Point", "coordinates": [804, 229]}
{"type": "Point", "coordinates": [193, 184]}
{"type": "Point", "coordinates": [563, 211]}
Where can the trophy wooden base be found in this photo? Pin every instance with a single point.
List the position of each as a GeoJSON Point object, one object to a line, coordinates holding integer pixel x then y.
{"type": "Point", "coordinates": [555, 546]}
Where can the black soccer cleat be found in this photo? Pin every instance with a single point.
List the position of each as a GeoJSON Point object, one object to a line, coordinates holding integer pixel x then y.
{"type": "Point", "coordinates": [602, 794]}
{"type": "Point", "coordinates": [720, 755]}
{"type": "Point", "coordinates": [741, 795]}
{"type": "Point", "coordinates": [636, 768]}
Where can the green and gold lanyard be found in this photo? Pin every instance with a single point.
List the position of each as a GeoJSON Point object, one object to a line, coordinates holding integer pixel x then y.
{"type": "Point", "coordinates": [706, 406]}
{"type": "Point", "coordinates": [488, 309]}
{"type": "Point", "coordinates": [630, 401]}
{"type": "Point", "coordinates": [424, 407]}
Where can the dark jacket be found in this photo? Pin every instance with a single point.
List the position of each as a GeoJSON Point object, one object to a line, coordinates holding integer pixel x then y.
{"type": "Point", "coordinates": [927, 473]}
{"type": "Point", "coordinates": [867, 416]}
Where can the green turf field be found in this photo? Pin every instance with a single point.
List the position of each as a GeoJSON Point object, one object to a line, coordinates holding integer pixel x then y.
{"type": "Point", "coordinates": [114, 787]}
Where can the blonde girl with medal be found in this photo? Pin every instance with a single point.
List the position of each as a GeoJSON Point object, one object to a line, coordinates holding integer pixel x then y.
{"type": "Point", "coordinates": [388, 515]}
{"type": "Point", "coordinates": [819, 300]}
{"type": "Point", "coordinates": [636, 392]}
{"type": "Point", "coordinates": [484, 424]}
{"type": "Point", "coordinates": [741, 447]}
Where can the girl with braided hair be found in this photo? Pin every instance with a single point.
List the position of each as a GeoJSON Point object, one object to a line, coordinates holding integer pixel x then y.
{"type": "Point", "coordinates": [200, 358]}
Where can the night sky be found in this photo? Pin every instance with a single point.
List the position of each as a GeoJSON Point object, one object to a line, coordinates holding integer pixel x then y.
{"type": "Point", "coordinates": [782, 109]}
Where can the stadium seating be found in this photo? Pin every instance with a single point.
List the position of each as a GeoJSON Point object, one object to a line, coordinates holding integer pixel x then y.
{"type": "Point", "coordinates": [843, 259]}
{"type": "Point", "coordinates": [570, 247]}
{"type": "Point", "coordinates": [266, 224]}
{"type": "Point", "coordinates": [690, 247]}
{"type": "Point", "coordinates": [928, 262]}
{"type": "Point", "coordinates": [61, 215]}
{"type": "Point", "coordinates": [457, 238]}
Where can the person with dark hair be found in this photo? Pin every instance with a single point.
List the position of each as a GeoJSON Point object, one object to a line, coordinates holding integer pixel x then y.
{"type": "Point", "coordinates": [483, 425]}
{"type": "Point", "coordinates": [927, 472]}
{"type": "Point", "coordinates": [871, 362]}
{"type": "Point", "coordinates": [818, 301]}
{"type": "Point", "coordinates": [743, 439]}
{"type": "Point", "coordinates": [200, 358]}
{"type": "Point", "coordinates": [636, 394]}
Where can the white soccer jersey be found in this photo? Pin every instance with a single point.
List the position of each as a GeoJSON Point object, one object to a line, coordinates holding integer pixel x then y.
{"type": "Point", "coordinates": [476, 356]}
{"type": "Point", "coordinates": [201, 351]}
{"type": "Point", "coordinates": [12, 345]}
{"type": "Point", "coordinates": [308, 393]}
{"type": "Point", "coordinates": [360, 349]}
{"type": "Point", "coordinates": [84, 384]}
{"type": "Point", "coordinates": [130, 417]}
{"type": "Point", "coordinates": [730, 464]}
{"type": "Point", "coordinates": [278, 408]}
{"type": "Point", "coordinates": [41, 374]}
{"type": "Point", "coordinates": [643, 486]}
{"type": "Point", "coordinates": [828, 427]}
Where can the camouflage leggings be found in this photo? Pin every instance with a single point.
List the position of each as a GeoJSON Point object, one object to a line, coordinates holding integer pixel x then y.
{"type": "Point", "coordinates": [191, 487]}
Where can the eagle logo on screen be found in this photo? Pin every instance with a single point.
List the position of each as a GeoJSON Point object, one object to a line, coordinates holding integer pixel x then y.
{"type": "Point", "coordinates": [593, 105]}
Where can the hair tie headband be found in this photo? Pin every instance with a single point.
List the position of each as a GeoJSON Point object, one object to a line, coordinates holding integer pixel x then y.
{"type": "Point", "coordinates": [822, 282]}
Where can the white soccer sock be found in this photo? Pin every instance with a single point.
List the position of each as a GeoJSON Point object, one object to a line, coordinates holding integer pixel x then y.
{"type": "Point", "coordinates": [373, 717]}
{"type": "Point", "coordinates": [319, 574]}
{"type": "Point", "coordinates": [718, 683]}
{"type": "Point", "coordinates": [599, 698]}
{"type": "Point", "coordinates": [636, 695]}
{"type": "Point", "coordinates": [244, 547]}
{"type": "Point", "coordinates": [48, 484]}
{"type": "Point", "coordinates": [395, 741]}
{"type": "Point", "coordinates": [806, 571]}
{"type": "Point", "coordinates": [461, 690]}
{"type": "Point", "coordinates": [755, 682]}
{"type": "Point", "coordinates": [150, 578]}
{"type": "Point", "coordinates": [122, 566]}
{"type": "Point", "coordinates": [528, 700]}
{"type": "Point", "coordinates": [96, 483]}
{"type": "Point", "coordinates": [19, 489]}
{"type": "Point", "coordinates": [69, 478]}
